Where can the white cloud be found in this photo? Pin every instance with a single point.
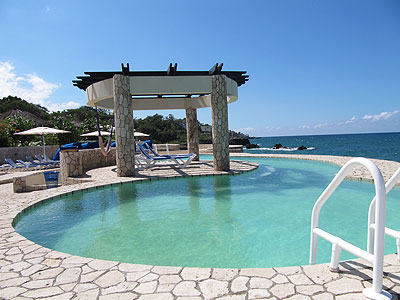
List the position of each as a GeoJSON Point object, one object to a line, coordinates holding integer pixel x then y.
{"type": "Point", "coordinates": [321, 125]}
{"type": "Point", "coordinates": [247, 129]}
{"type": "Point", "coordinates": [382, 116]}
{"type": "Point", "coordinates": [62, 106]}
{"type": "Point", "coordinates": [304, 126]}
{"type": "Point", "coordinates": [29, 87]}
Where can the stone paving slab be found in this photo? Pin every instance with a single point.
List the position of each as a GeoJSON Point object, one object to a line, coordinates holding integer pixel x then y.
{"type": "Point", "coordinates": [29, 271]}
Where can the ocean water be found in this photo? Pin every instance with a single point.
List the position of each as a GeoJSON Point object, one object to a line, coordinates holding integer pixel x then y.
{"type": "Point", "coordinates": [370, 145]}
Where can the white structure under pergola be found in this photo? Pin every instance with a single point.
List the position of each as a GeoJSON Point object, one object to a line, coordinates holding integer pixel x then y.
{"type": "Point", "coordinates": [128, 91]}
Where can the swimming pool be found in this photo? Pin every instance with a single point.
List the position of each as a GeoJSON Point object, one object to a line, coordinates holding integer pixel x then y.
{"type": "Point", "coordinates": [256, 219]}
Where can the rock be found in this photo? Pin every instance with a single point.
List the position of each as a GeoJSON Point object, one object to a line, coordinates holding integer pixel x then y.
{"type": "Point", "coordinates": [277, 146]}
{"type": "Point", "coordinates": [302, 148]}
{"type": "Point", "coordinates": [242, 142]}
{"type": "Point", "coordinates": [252, 146]}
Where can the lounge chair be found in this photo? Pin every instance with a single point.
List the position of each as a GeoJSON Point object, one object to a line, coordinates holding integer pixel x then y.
{"type": "Point", "coordinates": [47, 159]}
{"type": "Point", "coordinates": [150, 157]}
{"type": "Point", "coordinates": [30, 159]}
{"type": "Point", "coordinates": [28, 164]}
{"type": "Point", "coordinates": [13, 164]}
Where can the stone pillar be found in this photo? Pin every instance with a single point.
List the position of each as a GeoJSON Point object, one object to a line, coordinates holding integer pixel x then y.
{"type": "Point", "coordinates": [220, 131]}
{"type": "Point", "coordinates": [124, 126]}
{"type": "Point", "coordinates": [192, 131]}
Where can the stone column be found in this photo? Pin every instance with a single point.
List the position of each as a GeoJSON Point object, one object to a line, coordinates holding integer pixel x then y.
{"type": "Point", "coordinates": [124, 126]}
{"type": "Point", "coordinates": [220, 131]}
{"type": "Point", "coordinates": [192, 131]}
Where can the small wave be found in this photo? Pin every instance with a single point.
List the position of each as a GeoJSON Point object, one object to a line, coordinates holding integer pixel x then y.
{"type": "Point", "coordinates": [281, 149]}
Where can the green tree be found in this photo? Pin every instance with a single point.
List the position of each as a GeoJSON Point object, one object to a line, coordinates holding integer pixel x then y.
{"type": "Point", "coordinates": [17, 124]}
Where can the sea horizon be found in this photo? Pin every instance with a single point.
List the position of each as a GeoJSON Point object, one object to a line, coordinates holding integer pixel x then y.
{"type": "Point", "coordinates": [324, 134]}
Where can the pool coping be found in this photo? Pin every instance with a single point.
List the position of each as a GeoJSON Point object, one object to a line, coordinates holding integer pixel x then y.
{"type": "Point", "coordinates": [30, 271]}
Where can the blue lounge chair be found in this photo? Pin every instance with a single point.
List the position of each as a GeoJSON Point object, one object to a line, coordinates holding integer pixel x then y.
{"type": "Point", "coordinates": [28, 164]}
{"type": "Point", "coordinates": [47, 159]}
{"type": "Point", "coordinates": [148, 146]}
{"type": "Point", "coordinates": [13, 164]}
{"type": "Point", "coordinates": [31, 160]}
{"type": "Point", "coordinates": [150, 158]}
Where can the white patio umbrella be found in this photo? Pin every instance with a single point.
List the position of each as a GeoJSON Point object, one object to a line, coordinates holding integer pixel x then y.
{"type": "Point", "coordinates": [136, 133]}
{"type": "Point", "coordinates": [95, 133]}
{"type": "Point", "coordinates": [42, 131]}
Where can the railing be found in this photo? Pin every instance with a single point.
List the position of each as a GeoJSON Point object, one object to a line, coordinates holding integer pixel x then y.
{"type": "Point", "coordinates": [371, 218]}
{"type": "Point", "coordinates": [375, 292]}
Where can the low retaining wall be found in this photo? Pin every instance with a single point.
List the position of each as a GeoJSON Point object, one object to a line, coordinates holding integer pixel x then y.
{"type": "Point", "coordinates": [22, 152]}
{"type": "Point", "coordinates": [75, 163]}
{"type": "Point", "coordinates": [31, 182]}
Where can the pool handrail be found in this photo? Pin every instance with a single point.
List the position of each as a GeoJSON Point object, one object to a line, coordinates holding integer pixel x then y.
{"type": "Point", "coordinates": [376, 291]}
{"type": "Point", "coordinates": [371, 218]}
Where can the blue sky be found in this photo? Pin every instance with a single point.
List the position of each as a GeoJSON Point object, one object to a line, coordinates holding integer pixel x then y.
{"type": "Point", "coordinates": [316, 67]}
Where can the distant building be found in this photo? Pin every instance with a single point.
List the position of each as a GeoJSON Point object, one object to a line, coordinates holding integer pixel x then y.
{"type": "Point", "coordinates": [205, 128]}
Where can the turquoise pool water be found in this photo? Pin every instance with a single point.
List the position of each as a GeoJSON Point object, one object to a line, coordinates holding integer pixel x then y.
{"type": "Point", "coordinates": [257, 219]}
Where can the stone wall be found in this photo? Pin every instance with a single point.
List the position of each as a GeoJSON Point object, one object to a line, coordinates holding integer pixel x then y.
{"type": "Point", "coordinates": [75, 163]}
{"type": "Point", "coordinates": [22, 152]}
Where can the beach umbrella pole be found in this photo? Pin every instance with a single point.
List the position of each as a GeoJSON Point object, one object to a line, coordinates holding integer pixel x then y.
{"type": "Point", "coordinates": [44, 147]}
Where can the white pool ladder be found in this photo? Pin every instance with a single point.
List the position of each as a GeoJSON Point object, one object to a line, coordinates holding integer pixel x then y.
{"type": "Point", "coordinates": [375, 258]}
{"type": "Point", "coordinates": [371, 218]}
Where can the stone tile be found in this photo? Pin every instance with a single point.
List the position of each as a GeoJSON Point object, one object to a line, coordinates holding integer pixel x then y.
{"type": "Point", "coordinates": [165, 279]}
{"type": "Point", "coordinates": [189, 298]}
{"type": "Point", "coordinates": [65, 296]}
{"type": "Point", "coordinates": [186, 288]}
{"type": "Point", "coordinates": [266, 273]}
{"type": "Point", "coordinates": [344, 286]}
{"type": "Point", "coordinates": [309, 289]}
{"type": "Point", "coordinates": [233, 297]}
{"type": "Point", "coordinates": [110, 278]}
{"type": "Point", "coordinates": [258, 294]}
{"type": "Point", "coordinates": [48, 273]}
{"type": "Point", "coordinates": [160, 296]}
{"type": "Point", "coordinates": [82, 287]}
{"type": "Point", "coordinates": [148, 277]}
{"type": "Point", "coordinates": [280, 279]}
{"type": "Point", "coordinates": [101, 264]}
{"type": "Point", "coordinates": [299, 279]}
{"type": "Point", "coordinates": [299, 297]}
{"type": "Point", "coordinates": [212, 288]}
{"type": "Point", "coordinates": [224, 274]}
{"type": "Point", "coordinates": [320, 274]}
{"type": "Point", "coordinates": [146, 287]}
{"type": "Point", "coordinates": [36, 284]}
{"type": "Point", "coordinates": [136, 275]}
{"type": "Point", "coordinates": [124, 267]}
{"type": "Point", "coordinates": [89, 277]}
{"type": "Point", "coordinates": [119, 296]}
{"type": "Point", "coordinates": [283, 290]}
{"type": "Point", "coordinates": [239, 284]}
{"type": "Point", "coordinates": [68, 276]}
{"type": "Point", "coordinates": [11, 292]}
{"type": "Point", "coordinates": [260, 283]}
{"type": "Point", "coordinates": [352, 296]}
{"type": "Point", "coordinates": [43, 292]}
{"type": "Point", "coordinates": [168, 287]}
{"type": "Point", "coordinates": [195, 273]}
{"type": "Point", "coordinates": [323, 296]}
{"type": "Point", "coordinates": [13, 282]}
{"type": "Point", "coordinates": [88, 295]}
{"type": "Point", "coordinates": [120, 287]}
{"type": "Point", "coordinates": [166, 270]}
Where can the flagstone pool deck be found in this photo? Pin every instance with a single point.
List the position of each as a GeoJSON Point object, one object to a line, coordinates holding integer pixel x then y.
{"type": "Point", "coordinates": [30, 271]}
